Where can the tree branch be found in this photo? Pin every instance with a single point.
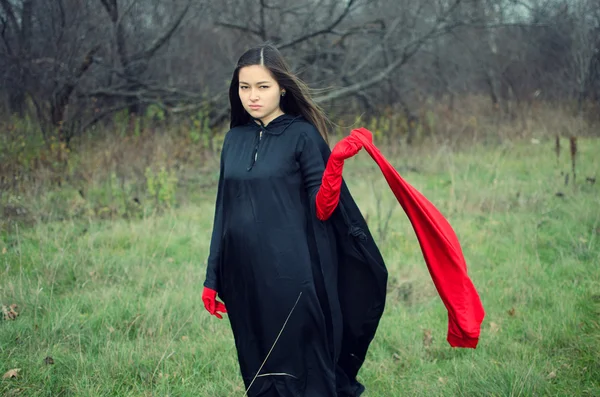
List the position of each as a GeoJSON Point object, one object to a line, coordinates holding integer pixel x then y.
{"type": "Point", "coordinates": [328, 29]}
{"type": "Point", "coordinates": [409, 51]}
{"type": "Point", "coordinates": [4, 38]}
{"type": "Point", "coordinates": [126, 12]}
{"type": "Point", "coordinates": [149, 53]}
{"type": "Point", "coordinates": [10, 14]}
{"type": "Point", "coordinates": [111, 9]}
{"type": "Point", "coordinates": [40, 115]}
{"type": "Point", "coordinates": [26, 32]}
{"type": "Point", "coordinates": [263, 26]}
{"type": "Point", "coordinates": [62, 24]}
{"type": "Point", "coordinates": [100, 116]}
{"type": "Point", "coordinates": [113, 13]}
{"type": "Point", "coordinates": [61, 99]}
{"type": "Point", "coordinates": [369, 57]}
{"type": "Point", "coordinates": [153, 89]}
{"type": "Point", "coordinates": [245, 29]}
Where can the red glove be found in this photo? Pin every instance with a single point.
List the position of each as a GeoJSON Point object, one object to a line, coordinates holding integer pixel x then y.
{"type": "Point", "coordinates": [331, 183]}
{"type": "Point", "coordinates": [209, 297]}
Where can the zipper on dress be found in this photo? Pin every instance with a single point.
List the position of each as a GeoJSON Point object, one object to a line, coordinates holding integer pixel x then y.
{"type": "Point", "coordinates": [255, 151]}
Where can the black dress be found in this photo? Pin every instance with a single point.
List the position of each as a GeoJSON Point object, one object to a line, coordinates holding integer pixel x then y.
{"type": "Point", "coordinates": [304, 297]}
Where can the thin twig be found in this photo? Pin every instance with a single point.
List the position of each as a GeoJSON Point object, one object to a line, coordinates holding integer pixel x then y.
{"type": "Point", "coordinates": [274, 343]}
{"type": "Point", "coordinates": [167, 348]}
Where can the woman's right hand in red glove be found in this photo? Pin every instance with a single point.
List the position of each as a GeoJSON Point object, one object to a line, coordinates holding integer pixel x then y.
{"type": "Point", "coordinates": [329, 193]}
{"type": "Point", "coordinates": [211, 304]}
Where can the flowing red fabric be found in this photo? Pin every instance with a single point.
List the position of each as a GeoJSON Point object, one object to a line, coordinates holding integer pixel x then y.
{"type": "Point", "coordinates": [439, 244]}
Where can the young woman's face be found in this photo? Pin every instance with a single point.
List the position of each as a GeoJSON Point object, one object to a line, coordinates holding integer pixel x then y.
{"type": "Point", "coordinates": [259, 92]}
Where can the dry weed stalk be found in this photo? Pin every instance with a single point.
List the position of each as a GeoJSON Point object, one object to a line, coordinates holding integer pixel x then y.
{"type": "Point", "coordinates": [383, 220]}
{"type": "Point", "coordinates": [557, 149]}
{"type": "Point", "coordinates": [573, 141]}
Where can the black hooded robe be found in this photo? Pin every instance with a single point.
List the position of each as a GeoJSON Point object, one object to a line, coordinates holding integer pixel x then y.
{"type": "Point", "coordinates": [304, 297]}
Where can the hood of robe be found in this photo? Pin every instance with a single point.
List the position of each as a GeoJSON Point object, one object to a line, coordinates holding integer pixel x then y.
{"type": "Point", "coordinates": [278, 125]}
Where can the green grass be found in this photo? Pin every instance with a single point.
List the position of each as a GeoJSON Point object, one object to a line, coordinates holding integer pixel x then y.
{"type": "Point", "coordinates": [117, 305]}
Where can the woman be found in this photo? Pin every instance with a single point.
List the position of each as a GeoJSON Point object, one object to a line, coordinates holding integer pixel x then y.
{"type": "Point", "coordinates": [301, 278]}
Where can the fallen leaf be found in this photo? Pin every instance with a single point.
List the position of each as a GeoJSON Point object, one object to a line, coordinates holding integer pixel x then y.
{"type": "Point", "coordinates": [4, 251]}
{"type": "Point", "coordinates": [13, 373]}
{"type": "Point", "coordinates": [10, 312]}
{"type": "Point", "coordinates": [170, 260]}
{"type": "Point", "coordinates": [511, 312]}
{"type": "Point", "coordinates": [184, 338]}
{"type": "Point", "coordinates": [427, 338]}
{"type": "Point", "coordinates": [551, 375]}
{"type": "Point", "coordinates": [442, 380]}
{"type": "Point", "coordinates": [14, 392]}
{"type": "Point", "coordinates": [48, 360]}
{"type": "Point", "coordinates": [494, 327]}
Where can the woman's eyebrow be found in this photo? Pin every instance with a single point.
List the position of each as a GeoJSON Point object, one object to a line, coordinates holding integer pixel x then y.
{"type": "Point", "coordinates": [260, 82]}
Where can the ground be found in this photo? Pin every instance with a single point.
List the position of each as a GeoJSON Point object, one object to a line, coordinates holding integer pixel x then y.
{"type": "Point", "coordinates": [114, 307]}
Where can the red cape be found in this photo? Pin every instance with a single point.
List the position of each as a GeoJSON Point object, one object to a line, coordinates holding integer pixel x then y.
{"type": "Point", "coordinates": [441, 250]}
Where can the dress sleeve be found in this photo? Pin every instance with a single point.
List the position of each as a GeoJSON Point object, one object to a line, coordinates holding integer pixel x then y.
{"type": "Point", "coordinates": [214, 257]}
{"type": "Point", "coordinates": [310, 159]}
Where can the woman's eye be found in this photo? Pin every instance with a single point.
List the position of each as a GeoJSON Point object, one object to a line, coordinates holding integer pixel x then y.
{"type": "Point", "coordinates": [264, 86]}
{"type": "Point", "coordinates": [243, 87]}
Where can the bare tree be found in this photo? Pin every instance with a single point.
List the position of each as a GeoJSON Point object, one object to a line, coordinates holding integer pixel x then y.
{"type": "Point", "coordinates": [75, 62]}
{"type": "Point", "coordinates": [585, 47]}
{"type": "Point", "coordinates": [17, 33]}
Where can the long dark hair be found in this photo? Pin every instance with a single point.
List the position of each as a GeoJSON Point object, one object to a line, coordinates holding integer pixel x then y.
{"type": "Point", "coordinates": [297, 100]}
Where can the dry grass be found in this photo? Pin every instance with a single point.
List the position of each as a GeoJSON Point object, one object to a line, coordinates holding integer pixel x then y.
{"type": "Point", "coordinates": [106, 174]}
{"type": "Point", "coordinates": [117, 306]}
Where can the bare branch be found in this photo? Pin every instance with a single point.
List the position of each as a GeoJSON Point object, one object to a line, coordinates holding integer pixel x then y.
{"type": "Point", "coordinates": [289, 10]}
{"type": "Point", "coordinates": [62, 97]}
{"type": "Point", "coordinates": [245, 29]}
{"type": "Point", "coordinates": [263, 25]}
{"type": "Point", "coordinates": [39, 113]}
{"type": "Point", "coordinates": [409, 51]}
{"type": "Point", "coordinates": [149, 53]}
{"type": "Point", "coordinates": [328, 29]}
{"type": "Point", "coordinates": [63, 22]}
{"type": "Point", "coordinates": [111, 9]}
{"type": "Point", "coordinates": [146, 91]}
{"type": "Point", "coordinates": [381, 45]}
{"type": "Point", "coordinates": [126, 12]}
{"type": "Point", "coordinates": [4, 38]}
{"type": "Point", "coordinates": [26, 26]}
{"type": "Point", "coordinates": [106, 112]}
{"type": "Point", "coordinates": [10, 14]}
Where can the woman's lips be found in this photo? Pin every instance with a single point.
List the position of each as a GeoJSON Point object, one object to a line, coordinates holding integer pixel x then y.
{"type": "Point", "coordinates": [254, 107]}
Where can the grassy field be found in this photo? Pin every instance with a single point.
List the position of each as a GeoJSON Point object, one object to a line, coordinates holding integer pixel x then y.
{"type": "Point", "coordinates": [113, 308]}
